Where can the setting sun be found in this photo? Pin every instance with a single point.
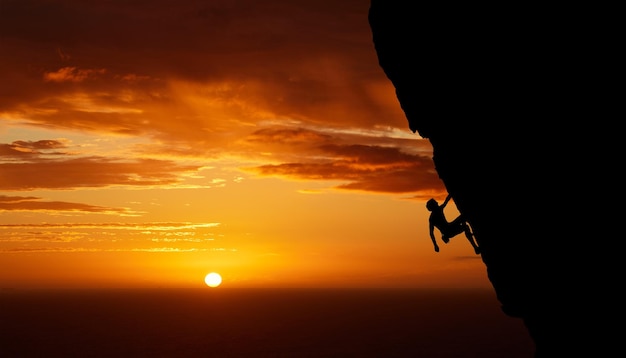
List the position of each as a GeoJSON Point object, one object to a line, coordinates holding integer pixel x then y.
{"type": "Point", "coordinates": [213, 279]}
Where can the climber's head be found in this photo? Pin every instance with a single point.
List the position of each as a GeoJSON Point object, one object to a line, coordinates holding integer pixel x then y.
{"type": "Point", "coordinates": [432, 204]}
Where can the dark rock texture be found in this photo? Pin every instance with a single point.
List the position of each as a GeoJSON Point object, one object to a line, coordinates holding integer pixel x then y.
{"type": "Point", "coordinates": [514, 102]}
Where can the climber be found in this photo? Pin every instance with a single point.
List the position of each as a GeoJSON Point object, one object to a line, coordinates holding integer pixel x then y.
{"type": "Point", "coordinates": [448, 230]}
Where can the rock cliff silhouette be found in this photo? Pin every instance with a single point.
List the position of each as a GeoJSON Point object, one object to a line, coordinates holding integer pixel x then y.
{"type": "Point", "coordinates": [508, 97]}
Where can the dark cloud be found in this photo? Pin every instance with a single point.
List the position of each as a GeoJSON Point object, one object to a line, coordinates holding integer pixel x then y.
{"type": "Point", "coordinates": [309, 60]}
{"type": "Point", "coordinates": [370, 155]}
{"type": "Point", "coordinates": [290, 136]}
{"type": "Point", "coordinates": [22, 149]}
{"type": "Point", "coordinates": [29, 203]}
{"type": "Point", "coordinates": [367, 168]}
{"type": "Point", "coordinates": [89, 172]}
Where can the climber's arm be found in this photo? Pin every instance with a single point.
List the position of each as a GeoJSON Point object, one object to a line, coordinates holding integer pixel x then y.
{"type": "Point", "coordinates": [432, 237]}
{"type": "Point", "coordinates": [445, 202]}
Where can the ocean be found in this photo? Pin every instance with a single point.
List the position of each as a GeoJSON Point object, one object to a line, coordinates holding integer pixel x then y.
{"type": "Point", "coordinates": [258, 323]}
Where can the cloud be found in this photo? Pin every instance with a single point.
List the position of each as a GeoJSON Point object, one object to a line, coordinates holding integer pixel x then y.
{"type": "Point", "coordinates": [90, 172]}
{"type": "Point", "coordinates": [30, 203]}
{"type": "Point", "coordinates": [116, 237]}
{"type": "Point", "coordinates": [290, 136]}
{"type": "Point", "coordinates": [72, 74]}
{"type": "Point", "coordinates": [141, 226]}
{"type": "Point", "coordinates": [363, 167]}
{"type": "Point", "coordinates": [242, 59]}
{"type": "Point", "coordinates": [23, 149]}
{"type": "Point", "coordinates": [84, 249]}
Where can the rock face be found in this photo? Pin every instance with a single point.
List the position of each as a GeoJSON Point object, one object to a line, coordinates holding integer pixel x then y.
{"type": "Point", "coordinates": [505, 96]}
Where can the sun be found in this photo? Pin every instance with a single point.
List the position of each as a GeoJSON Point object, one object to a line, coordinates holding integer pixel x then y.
{"type": "Point", "coordinates": [213, 279]}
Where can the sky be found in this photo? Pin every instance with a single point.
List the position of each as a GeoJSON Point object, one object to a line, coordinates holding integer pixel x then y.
{"type": "Point", "coordinates": [148, 143]}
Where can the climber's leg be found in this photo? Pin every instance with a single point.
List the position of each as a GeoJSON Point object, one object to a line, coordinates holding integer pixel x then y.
{"type": "Point", "coordinates": [470, 237]}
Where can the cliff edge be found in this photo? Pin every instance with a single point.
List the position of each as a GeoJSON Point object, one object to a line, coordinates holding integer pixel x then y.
{"type": "Point", "coordinates": [506, 97]}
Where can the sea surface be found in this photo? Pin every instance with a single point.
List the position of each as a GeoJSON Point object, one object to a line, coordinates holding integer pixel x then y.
{"type": "Point", "coordinates": [258, 323]}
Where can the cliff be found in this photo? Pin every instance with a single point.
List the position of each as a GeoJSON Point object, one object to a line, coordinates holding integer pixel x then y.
{"type": "Point", "coordinates": [507, 97]}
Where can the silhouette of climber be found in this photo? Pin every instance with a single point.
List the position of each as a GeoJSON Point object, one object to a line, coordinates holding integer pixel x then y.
{"type": "Point", "coordinates": [448, 230]}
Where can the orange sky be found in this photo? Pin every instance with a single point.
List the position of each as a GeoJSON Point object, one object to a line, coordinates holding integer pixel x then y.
{"type": "Point", "coordinates": [147, 143]}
